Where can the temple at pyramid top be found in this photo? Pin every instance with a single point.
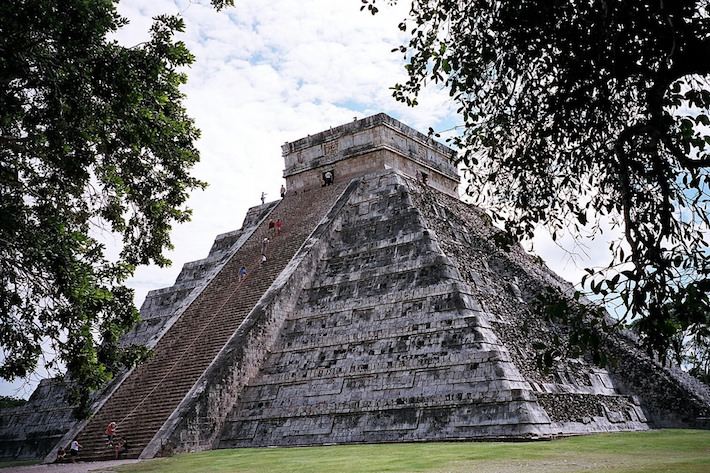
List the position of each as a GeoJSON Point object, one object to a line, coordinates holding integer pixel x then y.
{"type": "Point", "coordinates": [365, 146]}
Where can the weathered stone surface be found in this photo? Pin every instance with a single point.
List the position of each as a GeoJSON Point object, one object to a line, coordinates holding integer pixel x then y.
{"type": "Point", "coordinates": [512, 280]}
{"type": "Point", "coordinates": [36, 426]}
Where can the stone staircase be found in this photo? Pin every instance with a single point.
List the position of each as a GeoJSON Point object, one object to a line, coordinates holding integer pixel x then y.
{"type": "Point", "coordinates": [151, 393]}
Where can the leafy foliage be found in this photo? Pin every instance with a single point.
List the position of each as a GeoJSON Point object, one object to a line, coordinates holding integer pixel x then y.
{"type": "Point", "coordinates": [93, 138]}
{"type": "Point", "coordinates": [580, 112]}
{"type": "Point", "coordinates": [9, 401]}
{"type": "Point", "coordinates": [689, 339]}
{"type": "Point", "coordinates": [585, 330]}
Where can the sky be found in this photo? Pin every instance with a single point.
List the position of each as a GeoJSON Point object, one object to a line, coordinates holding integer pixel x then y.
{"type": "Point", "coordinates": [271, 72]}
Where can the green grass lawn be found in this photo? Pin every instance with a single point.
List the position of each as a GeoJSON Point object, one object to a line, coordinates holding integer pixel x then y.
{"type": "Point", "coordinates": [677, 451]}
{"type": "Point", "coordinates": [19, 463]}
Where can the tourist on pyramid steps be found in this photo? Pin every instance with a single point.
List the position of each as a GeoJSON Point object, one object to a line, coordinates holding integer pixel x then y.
{"type": "Point", "coordinates": [263, 259]}
{"type": "Point", "coordinates": [283, 191]}
{"type": "Point", "coordinates": [74, 450]}
{"type": "Point", "coordinates": [278, 226]}
{"type": "Point", "coordinates": [61, 453]}
{"type": "Point", "coordinates": [327, 178]}
{"type": "Point", "coordinates": [121, 447]}
{"type": "Point", "coordinates": [264, 244]}
{"type": "Point", "coordinates": [110, 432]}
{"type": "Point", "coordinates": [263, 197]}
{"type": "Point", "coordinates": [271, 226]}
{"type": "Point", "coordinates": [242, 273]}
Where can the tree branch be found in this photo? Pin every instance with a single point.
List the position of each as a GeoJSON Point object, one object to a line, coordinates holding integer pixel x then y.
{"type": "Point", "coordinates": [687, 60]}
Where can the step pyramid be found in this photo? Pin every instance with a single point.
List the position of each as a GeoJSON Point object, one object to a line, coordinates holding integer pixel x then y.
{"type": "Point", "coordinates": [387, 311]}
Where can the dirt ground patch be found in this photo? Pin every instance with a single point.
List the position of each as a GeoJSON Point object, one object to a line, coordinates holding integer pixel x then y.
{"type": "Point", "coordinates": [78, 467]}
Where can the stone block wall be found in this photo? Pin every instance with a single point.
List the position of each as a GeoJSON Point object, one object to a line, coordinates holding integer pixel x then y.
{"type": "Point", "coordinates": [30, 431]}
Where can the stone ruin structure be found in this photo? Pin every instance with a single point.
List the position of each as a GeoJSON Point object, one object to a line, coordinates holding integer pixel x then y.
{"type": "Point", "coordinates": [387, 311]}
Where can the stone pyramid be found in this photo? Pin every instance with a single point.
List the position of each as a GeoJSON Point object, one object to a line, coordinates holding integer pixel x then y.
{"type": "Point", "coordinates": [387, 311]}
{"type": "Point", "coordinates": [417, 326]}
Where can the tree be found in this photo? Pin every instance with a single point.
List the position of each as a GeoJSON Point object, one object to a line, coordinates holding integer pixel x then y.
{"type": "Point", "coordinates": [93, 139]}
{"type": "Point", "coordinates": [9, 402]}
{"type": "Point", "coordinates": [578, 112]}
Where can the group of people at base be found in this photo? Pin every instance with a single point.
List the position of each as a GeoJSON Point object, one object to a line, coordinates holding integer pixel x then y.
{"type": "Point", "coordinates": [120, 447]}
{"type": "Point", "coordinates": [74, 448]}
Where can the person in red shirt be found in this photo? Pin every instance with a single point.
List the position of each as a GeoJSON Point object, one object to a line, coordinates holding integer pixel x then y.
{"type": "Point", "coordinates": [110, 432]}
